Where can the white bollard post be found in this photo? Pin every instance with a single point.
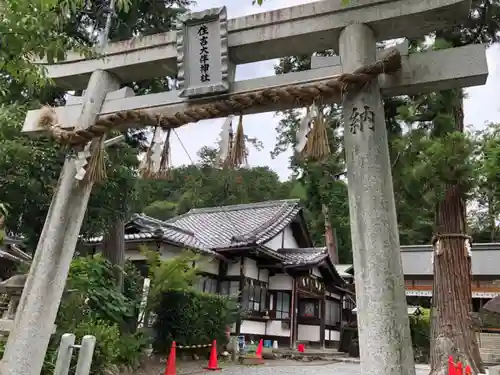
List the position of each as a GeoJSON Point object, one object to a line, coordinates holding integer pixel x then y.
{"type": "Point", "coordinates": [85, 355]}
{"type": "Point", "coordinates": [64, 354]}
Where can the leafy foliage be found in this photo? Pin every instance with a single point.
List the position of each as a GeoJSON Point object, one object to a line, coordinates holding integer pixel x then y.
{"type": "Point", "coordinates": [485, 215]}
{"type": "Point", "coordinates": [190, 318]}
{"type": "Point", "coordinates": [93, 277]}
{"type": "Point", "coordinates": [94, 306]}
{"type": "Point", "coordinates": [176, 273]}
{"type": "Point", "coordinates": [420, 336]}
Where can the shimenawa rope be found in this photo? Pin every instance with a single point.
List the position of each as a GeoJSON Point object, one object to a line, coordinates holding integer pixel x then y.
{"type": "Point", "coordinates": [295, 95]}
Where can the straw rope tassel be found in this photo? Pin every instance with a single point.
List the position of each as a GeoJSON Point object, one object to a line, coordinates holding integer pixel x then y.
{"type": "Point", "coordinates": [227, 162]}
{"type": "Point", "coordinates": [145, 169]}
{"type": "Point", "coordinates": [96, 169]}
{"type": "Point", "coordinates": [303, 152]}
{"type": "Point", "coordinates": [238, 155]}
{"type": "Point", "coordinates": [165, 163]}
{"type": "Point", "coordinates": [317, 146]}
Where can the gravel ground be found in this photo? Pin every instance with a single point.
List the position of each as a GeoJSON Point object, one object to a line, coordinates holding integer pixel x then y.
{"type": "Point", "coordinates": [304, 369]}
{"type": "Point", "coordinates": [288, 367]}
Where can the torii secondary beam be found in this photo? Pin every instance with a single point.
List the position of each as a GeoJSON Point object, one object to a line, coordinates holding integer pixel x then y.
{"type": "Point", "coordinates": [298, 30]}
{"type": "Point", "coordinates": [421, 72]}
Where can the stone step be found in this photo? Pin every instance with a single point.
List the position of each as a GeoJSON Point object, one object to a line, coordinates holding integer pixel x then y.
{"type": "Point", "coordinates": [250, 360]}
{"type": "Point", "coordinates": [310, 353]}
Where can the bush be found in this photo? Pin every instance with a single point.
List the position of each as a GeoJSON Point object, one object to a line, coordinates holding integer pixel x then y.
{"type": "Point", "coordinates": [92, 278]}
{"type": "Point", "coordinates": [106, 349]}
{"type": "Point", "coordinates": [420, 336]}
{"type": "Point", "coordinates": [130, 349]}
{"type": "Point", "coordinates": [190, 317]}
{"type": "Point", "coordinates": [95, 307]}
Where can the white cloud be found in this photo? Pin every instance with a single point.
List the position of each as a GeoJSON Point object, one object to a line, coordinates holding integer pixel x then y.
{"type": "Point", "coordinates": [482, 104]}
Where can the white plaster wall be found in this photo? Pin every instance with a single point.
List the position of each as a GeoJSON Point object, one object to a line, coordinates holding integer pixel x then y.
{"type": "Point", "coordinates": [264, 275]}
{"type": "Point", "coordinates": [333, 295]}
{"type": "Point", "coordinates": [280, 281]}
{"type": "Point", "coordinates": [289, 241]}
{"type": "Point", "coordinates": [169, 252]}
{"type": "Point", "coordinates": [332, 335]}
{"type": "Point", "coordinates": [250, 327]}
{"type": "Point", "coordinates": [308, 333]}
{"type": "Point", "coordinates": [204, 263]}
{"type": "Point", "coordinates": [134, 255]}
{"type": "Point", "coordinates": [233, 268]}
{"type": "Point", "coordinates": [275, 242]}
{"type": "Point", "coordinates": [316, 272]}
{"type": "Point", "coordinates": [284, 239]}
{"type": "Point", "coordinates": [273, 328]}
{"type": "Point", "coordinates": [250, 268]}
{"type": "Point", "coordinates": [208, 264]}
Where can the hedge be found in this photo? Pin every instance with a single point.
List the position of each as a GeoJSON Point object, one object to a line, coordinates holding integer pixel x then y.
{"type": "Point", "coordinates": [189, 317]}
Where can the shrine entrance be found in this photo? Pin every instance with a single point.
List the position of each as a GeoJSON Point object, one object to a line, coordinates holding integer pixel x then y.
{"type": "Point", "coordinates": [318, 313]}
{"type": "Point", "coordinates": [203, 54]}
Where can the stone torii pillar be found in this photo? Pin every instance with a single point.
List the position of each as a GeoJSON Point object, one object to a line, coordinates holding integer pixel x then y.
{"type": "Point", "coordinates": [383, 325]}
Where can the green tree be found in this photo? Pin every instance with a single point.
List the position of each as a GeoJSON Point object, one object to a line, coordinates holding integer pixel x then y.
{"type": "Point", "coordinates": [442, 113]}
{"type": "Point", "coordinates": [486, 214]}
{"type": "Point", "coordinates": [325, 192]}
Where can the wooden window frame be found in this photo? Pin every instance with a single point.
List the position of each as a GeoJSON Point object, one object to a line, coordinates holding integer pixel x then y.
{"type": "Point", "coordinates": [275, 311]}
{"type": "Point", "coordinates": [249, 300]}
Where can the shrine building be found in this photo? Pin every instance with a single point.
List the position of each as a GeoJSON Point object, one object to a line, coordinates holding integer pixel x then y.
{"type": "Point", "coordinates": [262, 254]}
{"type": "Point", "coordinates": [418, 271]}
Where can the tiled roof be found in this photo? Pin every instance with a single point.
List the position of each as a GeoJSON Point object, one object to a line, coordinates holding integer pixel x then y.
{"type": "Point", "coordinates": [209, 229]}
{"type": "Point", "coordinates": [303, 256]}
{"type": "Point", "coordinates": [10, 250]}
{"type": "Point", "coordinates": [344, 269]}
{"type": "Point", "coordinates": [152, 228]}
{"type": "Point", "coordinates": [238, 225]}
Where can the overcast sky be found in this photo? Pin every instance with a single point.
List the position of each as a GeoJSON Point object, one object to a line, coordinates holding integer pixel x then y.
{"type": "Point", "coordinates": [482, 104]}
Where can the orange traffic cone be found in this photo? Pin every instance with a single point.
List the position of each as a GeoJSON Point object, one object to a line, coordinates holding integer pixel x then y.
{"type": "Point", "coordinates": [212, 361]}
{"type": "Point", "coordinates": [451, 366]}
{"type": "Point", "coordinates": [258, 352]}
{"type": "Point", "coordinates": [170, 369]}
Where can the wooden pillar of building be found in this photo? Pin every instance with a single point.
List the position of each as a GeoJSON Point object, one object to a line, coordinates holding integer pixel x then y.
{"type": "Point", "coordinates": [322, 324]}
{"type": "Point", "coordinates": [293, 313]}
{"type": "Point", "coordinates": [242, 295]}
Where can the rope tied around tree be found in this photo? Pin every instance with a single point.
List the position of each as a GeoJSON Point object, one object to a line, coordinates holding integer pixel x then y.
{"type": "Point", "coordinates": [435, 241]}
{"type": "Point", "coordinates": [296, 95]}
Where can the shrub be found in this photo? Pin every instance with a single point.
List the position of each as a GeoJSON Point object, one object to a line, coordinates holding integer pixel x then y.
{"type": "Point", "coordinates": [93, 279]}
{"type": "Point", "coordinates": [95, 307]}
{"type": "Point", "coordinates": [192, 318]}
{"type": "Point", "coordinates": [106, 350]}
{"type": "Point", "coordinates": [176, 273]}
{"type": "Point", "coordinates": [420, 336]}
{"type": "Point", "coordinates": [130, 349]}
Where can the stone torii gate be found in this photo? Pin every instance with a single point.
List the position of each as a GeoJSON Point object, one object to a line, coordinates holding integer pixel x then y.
{"type": "Point", "coordinates": [204, 53]}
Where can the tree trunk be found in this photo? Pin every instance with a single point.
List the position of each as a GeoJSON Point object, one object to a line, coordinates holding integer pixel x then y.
{"type": "Point", "coordinates": [491, 218]}
{"type": "Point", "coordinates": [452, 331]}
{"type": "Point", "coordinates": [329, 236]}
{"type": "Point", "coordinates": [114, 250]}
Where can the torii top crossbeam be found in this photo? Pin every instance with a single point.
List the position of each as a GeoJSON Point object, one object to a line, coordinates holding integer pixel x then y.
{"type": "Point", "coordinates": [303, 29]}
{"type": "Point", "coordinates": [298, 30]}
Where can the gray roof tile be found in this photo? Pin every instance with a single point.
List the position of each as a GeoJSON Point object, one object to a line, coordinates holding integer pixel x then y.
{"type": "Point", "coordinates": [303, 256]}
{"type": "Point", "coordinates": [215, 228]}
{"type": "Point", "coordinates": [152, 228]}
{"type": "Point", "coordinates": [238, 225]}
